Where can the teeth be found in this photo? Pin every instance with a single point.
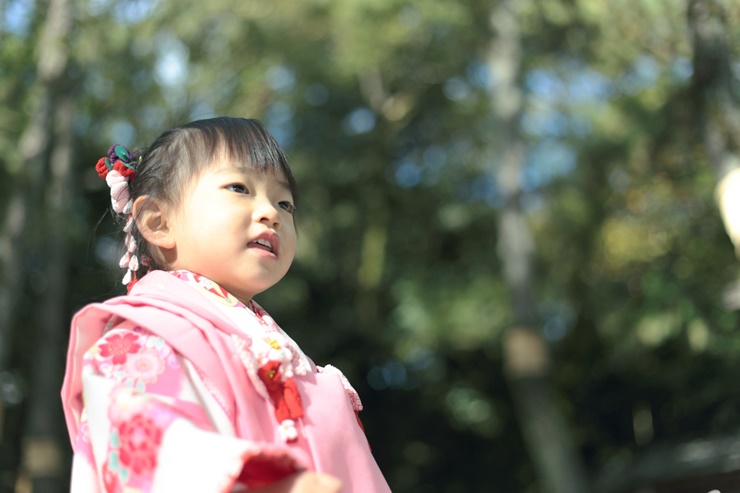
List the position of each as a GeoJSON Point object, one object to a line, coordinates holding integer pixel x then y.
{"type": "Point", "coordinates": [264, 243]}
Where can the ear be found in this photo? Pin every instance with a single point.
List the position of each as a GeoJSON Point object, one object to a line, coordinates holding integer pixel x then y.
{"type": "Point", "coordinates": [154, 222]}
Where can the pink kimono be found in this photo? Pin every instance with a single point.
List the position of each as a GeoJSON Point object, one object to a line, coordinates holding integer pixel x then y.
{"type": "Point", "coordinates": [180, 387]}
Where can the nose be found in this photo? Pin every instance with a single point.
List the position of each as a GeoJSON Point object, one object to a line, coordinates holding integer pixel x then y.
{"type": "Point", "coordinates": [266, 212]}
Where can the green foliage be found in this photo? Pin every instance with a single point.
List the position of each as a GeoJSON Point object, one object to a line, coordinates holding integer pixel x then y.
{"type": "Point", "coordinates": [383, 108]}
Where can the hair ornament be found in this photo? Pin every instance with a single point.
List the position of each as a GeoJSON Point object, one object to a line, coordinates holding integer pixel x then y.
{"type": "Point", "coordinates": [130, 262]}
{"type": "Point", "coordinates": [125, 260]}
{"type": "Point", "coordinates": [119, 194]}
{"type": "Point", "coordinates": [129, 224]}
{"type": "Point", "coordinates": [118, 169]}
{"type": "Point", "coordinates": [130, 243]}
{"type": "Point", "coordinates": [119, 159]}
{"type": "Point", "coordinates": [128, 278]}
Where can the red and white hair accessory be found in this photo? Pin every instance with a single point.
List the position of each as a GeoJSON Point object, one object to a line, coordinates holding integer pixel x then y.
{"type": "Point", "coordinates": [118, 169]}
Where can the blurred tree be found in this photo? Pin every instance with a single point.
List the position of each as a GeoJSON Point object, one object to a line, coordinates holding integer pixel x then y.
{"type": "Point", "coordinates": [386, 110]}
{"type": "Point", "coordinates": [526, 352]}
{"type": "Point", "coordinates": [717, 99]}
{"type": "Point", "coordinates": [42, 196]}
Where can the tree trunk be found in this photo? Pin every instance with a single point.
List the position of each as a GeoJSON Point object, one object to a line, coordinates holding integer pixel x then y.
{"type": "Point", "coordinates": [526, 354]}
{"type": "Point", "coordinates": [42, 466]}
{"type": "Point", "coordinates": [27, 192]}
{"type": "Point", "coordinates": [12, 248]}
{"type": "Point", "coordinates": [42, 443]}
{"type": "Point", "coordinates": [717, 106]}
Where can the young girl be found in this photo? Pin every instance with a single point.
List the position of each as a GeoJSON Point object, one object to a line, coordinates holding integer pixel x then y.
{"type": "Point", "coordinates": [186, 384]}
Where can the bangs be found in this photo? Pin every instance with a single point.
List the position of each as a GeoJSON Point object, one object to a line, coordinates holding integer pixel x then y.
{"type": "Point", "coordinates": [245, 143]}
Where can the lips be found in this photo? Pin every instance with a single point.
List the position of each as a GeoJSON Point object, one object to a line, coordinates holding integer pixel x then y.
{"type": "Point", "coordinates": [267, 241]}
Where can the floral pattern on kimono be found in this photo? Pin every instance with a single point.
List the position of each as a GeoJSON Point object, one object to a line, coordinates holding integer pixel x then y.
{"type": "Point", "coordinates": [149, 398]}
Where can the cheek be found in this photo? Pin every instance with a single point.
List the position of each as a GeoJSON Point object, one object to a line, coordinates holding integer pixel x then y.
{"type": "Point", "coordinates": [291, 243]}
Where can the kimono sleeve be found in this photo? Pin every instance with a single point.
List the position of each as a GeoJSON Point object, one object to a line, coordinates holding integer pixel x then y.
{"type": "Point", "coordinates": [145, 429]}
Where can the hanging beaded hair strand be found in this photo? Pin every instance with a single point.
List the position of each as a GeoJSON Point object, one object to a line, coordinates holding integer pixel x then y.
{"type": "Point", "coordinates": [118, 169]}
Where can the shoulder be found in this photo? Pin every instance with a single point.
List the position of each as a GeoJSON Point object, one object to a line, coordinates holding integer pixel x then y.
{"type": "Point", "coordinates": [156, 289]}
{"type": "Point", "coordinates": [122, 339]}
{"type": "Point", "coordinates": [158, 284]}
{"type": "Point", "coordinates": [151, 318]}
{"type": "Point", "coordinates": [157, 300]}
{"type": "Point", "coordinates": [131, 355]}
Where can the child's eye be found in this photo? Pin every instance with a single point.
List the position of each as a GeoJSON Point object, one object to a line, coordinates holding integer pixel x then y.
{"type": "Point", "coordinates": [287, 206]}
{"type": "Point", "coordinates": [237, 187]}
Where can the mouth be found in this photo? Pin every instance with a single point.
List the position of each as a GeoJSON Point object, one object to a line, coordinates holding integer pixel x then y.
{"type": "Point", "coordinates": [268, 242]}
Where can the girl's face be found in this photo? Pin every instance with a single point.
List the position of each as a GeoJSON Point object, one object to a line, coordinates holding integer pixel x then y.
{"type": "Point", "coordinates": [236, 228]}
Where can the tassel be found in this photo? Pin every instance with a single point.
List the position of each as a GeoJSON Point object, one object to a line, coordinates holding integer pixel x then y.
{"type": "Point", "coordinates": [124, 260]}
{"type": "Point", "coordinates": [119, 193]}
{"type": "Point", "coordinates": [130, 243]}
{"type": "Point", "coordinates": [131, 284]}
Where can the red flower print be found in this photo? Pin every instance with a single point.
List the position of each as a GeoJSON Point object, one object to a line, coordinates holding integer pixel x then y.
{"type": "Point", "coordinates": [119, 346]}
{"type": "Point", "coordinates": [140, 439]}
{"type": "Point", "coordinates": [110, 480]}
{"type": "Point", "coordinates": [284, 394]}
